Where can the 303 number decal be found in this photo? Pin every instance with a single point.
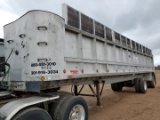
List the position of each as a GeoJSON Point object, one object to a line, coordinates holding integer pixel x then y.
{"type": "Point", "coordinates": [44, 72]}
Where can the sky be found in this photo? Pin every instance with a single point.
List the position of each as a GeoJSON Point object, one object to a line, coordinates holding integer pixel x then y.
{"type": "Point", "coordinates": [139, 20]}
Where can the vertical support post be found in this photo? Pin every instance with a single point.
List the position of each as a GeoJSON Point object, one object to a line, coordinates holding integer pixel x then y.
{"type": "Point", "coordinates": [97, 84]}
{"type": "Point", "coordinates": [76, 90]}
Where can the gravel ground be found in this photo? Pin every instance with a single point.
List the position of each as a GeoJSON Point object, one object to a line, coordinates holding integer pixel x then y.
{"type": "Point", "coordinates": [125, 105]}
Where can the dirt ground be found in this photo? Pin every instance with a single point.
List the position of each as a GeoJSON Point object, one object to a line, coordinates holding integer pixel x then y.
{"type": "Point", "coordinates": [125, 105]}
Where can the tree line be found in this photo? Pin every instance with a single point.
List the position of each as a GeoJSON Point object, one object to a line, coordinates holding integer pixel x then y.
{"type": "Point", "coordinates": [157, 67]}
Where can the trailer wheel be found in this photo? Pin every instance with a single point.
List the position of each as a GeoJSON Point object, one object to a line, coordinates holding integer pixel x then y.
{"type": "Point", "coordinates": [137, 87]}
{"type": "Point", "coordinates": [143, 86]}
{"type": "Point", "coordinates": [116, 87]}
{"type": "Point", "coordinates": [152, 84]}
{"type": "Point", "coordinates": [32, 114]}
{"type": "Point", "coordinates": [140, 86]}
{"type": "Point", "coordinates": [73, 108]}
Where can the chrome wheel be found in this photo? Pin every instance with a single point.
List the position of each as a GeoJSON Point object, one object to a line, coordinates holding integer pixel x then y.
{"type": "Point", "coordinates": [77, 113]}
{"type": "Point", "coordinates": [145, 85]}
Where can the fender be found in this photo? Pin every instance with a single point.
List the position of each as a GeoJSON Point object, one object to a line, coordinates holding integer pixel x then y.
{"type": "Point", "coordinates": [12, 108]}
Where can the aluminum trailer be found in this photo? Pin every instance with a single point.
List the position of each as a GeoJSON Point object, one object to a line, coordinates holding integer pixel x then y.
{"type": "Point", "coordinates": [46, 51]}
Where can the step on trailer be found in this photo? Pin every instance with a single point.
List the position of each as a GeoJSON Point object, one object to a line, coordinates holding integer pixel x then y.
{"type": "Point", "coordinates": [44, 51]}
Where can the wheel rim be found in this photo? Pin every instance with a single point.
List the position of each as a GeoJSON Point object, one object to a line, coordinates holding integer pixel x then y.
{"type": "Point", "coordinates": [77, 113]}
{"type": "Point", "coordinates": [145, 85]}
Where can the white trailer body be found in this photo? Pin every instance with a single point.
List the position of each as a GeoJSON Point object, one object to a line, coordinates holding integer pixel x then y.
{"type": "Point", "coordinates": [44, 47]}
{"type": "Point", "coordinates": [46, 51]}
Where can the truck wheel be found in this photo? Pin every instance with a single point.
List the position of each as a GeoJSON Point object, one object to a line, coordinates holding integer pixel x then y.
{"type": "Point", "coordinates": [55, 106]}
{"type": "Point", "coordinates": [143, 86]}
{"type": "Point", "coordinates": [116, 87]}
{"type": "Point", "coordinates": [152, 84]}
{"type": "Point", "coordinates": [137, 87]}
{"type": "Point", "coordinates": [32, 114]}
{"type": "Point", "coordinates": [73, 108]}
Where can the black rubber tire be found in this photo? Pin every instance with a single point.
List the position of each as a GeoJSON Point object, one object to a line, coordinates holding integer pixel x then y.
{"type": "Point", "coordinates": [137, 87]}
{"type": "Point", "coordinates": [116, 87]}
{"type": "Point", "coordinates": [152, 84]}
{"type": "Point", "coordinates": [143, 86]}
{"type": "Point", "coordinates": [68, 104]}
{"type": "Point", "coordinates": [55, 106]}
{"type": "Point", "coordinates": [33, 113]}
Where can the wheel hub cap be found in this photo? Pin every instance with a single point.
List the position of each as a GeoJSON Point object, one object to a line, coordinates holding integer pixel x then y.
{"type": "Point", "coordinates": [77, 113]}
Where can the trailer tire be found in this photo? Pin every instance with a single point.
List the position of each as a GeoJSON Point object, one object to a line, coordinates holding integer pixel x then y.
{"type": "Point", "coordinates": [137, 87]}
{"type": "Point", "coordinates": [73, 108]}
{"type": "Point", "coordinates": [116, 87]}
{"type": "Point", "coordinates": [152, 84]}
{"type": "Point", "coordinates": [33, 113]}
{"type": "Point", "coordinates": [140, 86]}
{"type": "Point", "coordinates": [55, 106]}
{"type": "Point", "coordinates": [143, 86]}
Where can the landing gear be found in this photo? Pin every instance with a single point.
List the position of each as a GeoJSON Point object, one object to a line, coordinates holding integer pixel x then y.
{"type": "Point", "coordinates": [96, 93]}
